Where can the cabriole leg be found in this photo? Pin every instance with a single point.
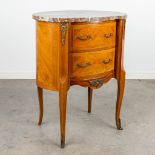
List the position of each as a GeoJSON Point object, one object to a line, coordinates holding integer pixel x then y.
{"type": "Point", "coordinates": [120, 92]}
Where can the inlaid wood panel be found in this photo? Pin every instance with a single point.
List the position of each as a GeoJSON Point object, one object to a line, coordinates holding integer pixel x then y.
{"type": "Point", "coordinates": [86, 49]}
{"type": "Point", "coordinates": [48, 42]}
{"type": "Point", "coordinates": [93, 36]}
{"type": "Point", "coordinates": [91, 63]}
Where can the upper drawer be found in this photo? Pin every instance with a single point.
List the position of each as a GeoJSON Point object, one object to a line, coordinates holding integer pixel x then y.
{"type": "Point", "coordinates": [93, 36]}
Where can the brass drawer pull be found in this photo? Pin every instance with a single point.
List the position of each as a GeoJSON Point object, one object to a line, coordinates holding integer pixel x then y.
{"type": "Point", "coordinates": [106, 61]}
{"type": "Point", "coordinates": [83, 38]}
{"type": "Point", "coordinates": [84, 65]}
{"type": "Point", "coordinates": [108, 35]}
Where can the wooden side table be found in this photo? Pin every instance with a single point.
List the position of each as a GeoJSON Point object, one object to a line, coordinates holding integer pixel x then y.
{"type": "Point", "coordinates": [79, 48]}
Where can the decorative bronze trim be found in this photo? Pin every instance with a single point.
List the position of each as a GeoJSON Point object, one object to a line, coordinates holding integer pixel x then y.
{"type": "Point", "coordinates": [63, 32]}
{"type": "Point", "coordinates": [96, 83]}
{"type": "Point", "coordinates": [108, 35]}
{"type": "Point", "coordinates": [106, 61]}
{"type": "Point", "coordinates": [85, 81]}
{"type": "Point", "coordinates": [84, 38]}
{"type": "Point", "coordinates": [84, 65]}
{"type": "Point", "coordinates": [118, 124]}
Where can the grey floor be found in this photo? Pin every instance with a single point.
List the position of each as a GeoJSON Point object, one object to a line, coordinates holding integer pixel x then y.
{"type": "Point", "coordinates": [87, 134]}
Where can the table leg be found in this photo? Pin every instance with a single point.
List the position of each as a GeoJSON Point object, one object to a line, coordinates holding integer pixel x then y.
{"type": "Point", "coordinates": [62, 106]}
{"type": "Point", "coordinates": [120, 92]}
{"type": "Point", "coordinates": [40, 97]}
{"type": "Point", "coordinates": [90, 93]}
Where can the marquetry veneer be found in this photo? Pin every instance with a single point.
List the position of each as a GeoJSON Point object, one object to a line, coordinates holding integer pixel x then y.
{"type": "Point", "coordinates": [86, 51]}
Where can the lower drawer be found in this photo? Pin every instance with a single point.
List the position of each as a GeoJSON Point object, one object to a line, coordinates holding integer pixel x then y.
{"type": "Point", "coordinates": [91, 63]}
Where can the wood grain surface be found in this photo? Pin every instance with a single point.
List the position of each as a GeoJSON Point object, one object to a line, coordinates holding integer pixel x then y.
{"type": "Point", "coordinates": [92, 63]}
{"type": "Point", "coordinates": [93, 36]}
{"type": "Point", "coordinates": [48, 47]}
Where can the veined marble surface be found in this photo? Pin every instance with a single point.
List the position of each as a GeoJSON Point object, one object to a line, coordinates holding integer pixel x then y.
{"type": "Point", "coordinates": [78, 16]}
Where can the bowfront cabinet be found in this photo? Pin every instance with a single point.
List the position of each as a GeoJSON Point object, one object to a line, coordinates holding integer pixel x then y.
{"type": "Point", "coordinates": [79, 48]}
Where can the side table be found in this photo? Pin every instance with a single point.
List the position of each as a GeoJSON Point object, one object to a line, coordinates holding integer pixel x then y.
{"type": "Point", "coordinates": [79, 48]}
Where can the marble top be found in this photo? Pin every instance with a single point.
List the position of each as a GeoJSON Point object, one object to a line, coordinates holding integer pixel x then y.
{"type": "Point", "coordinates": [78, 16]}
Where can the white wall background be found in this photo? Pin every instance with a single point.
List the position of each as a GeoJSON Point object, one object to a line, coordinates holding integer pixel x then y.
{"type": "Point", "coordinates": [17, 33]}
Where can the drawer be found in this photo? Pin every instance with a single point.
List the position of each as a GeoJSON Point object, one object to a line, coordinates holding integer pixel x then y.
{"type": "Point", "coordinates": [91, 63]}
{"type": "Point", "coordinates": [93, 36]}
